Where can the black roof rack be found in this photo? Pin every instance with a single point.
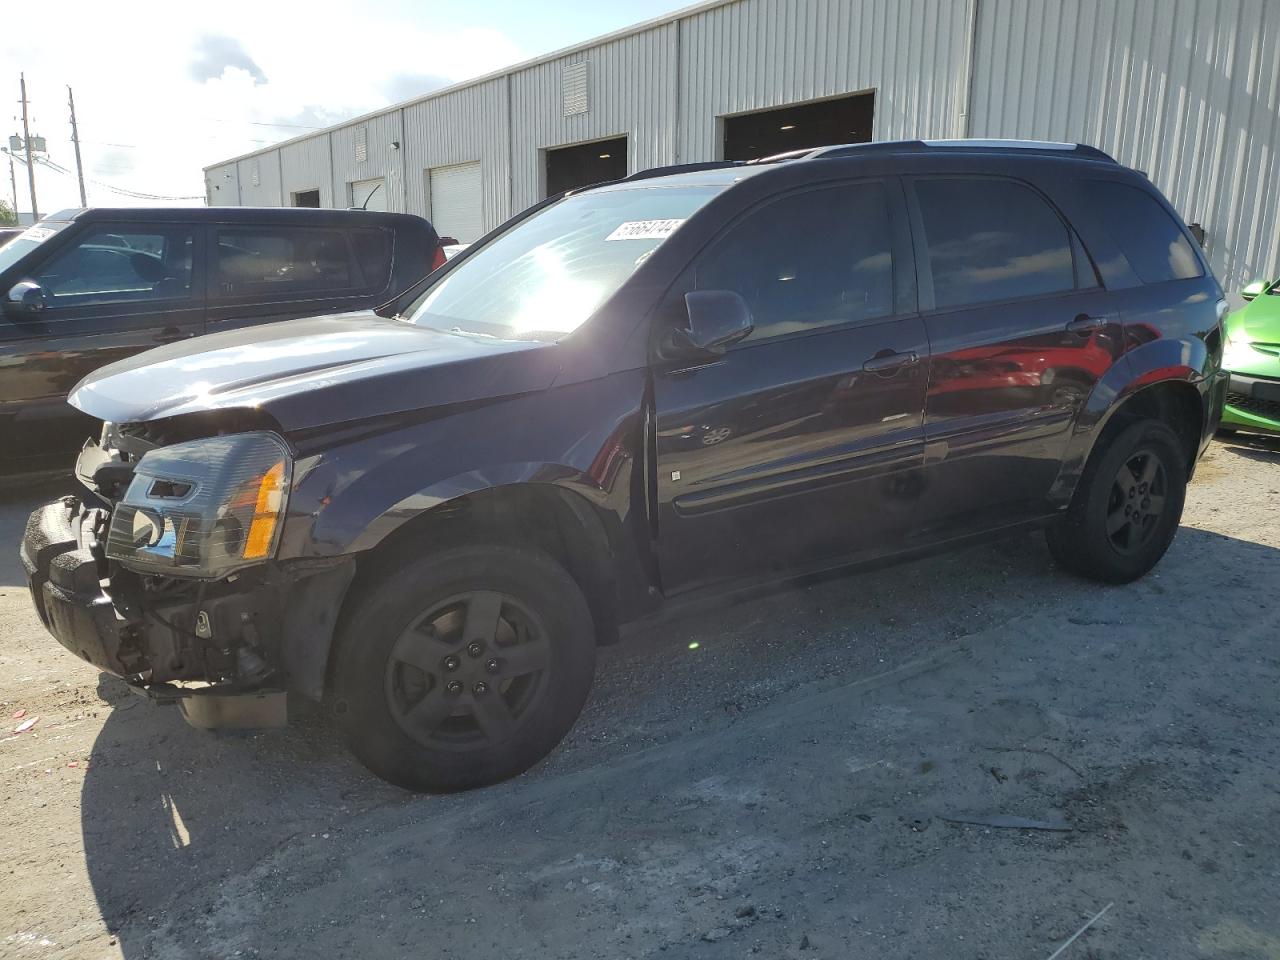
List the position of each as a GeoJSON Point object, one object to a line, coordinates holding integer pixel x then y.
{"type": "Point", "coordinates": [673, 169]}
{"type": "Point", "coordinates": [220, 214]}
{"type": "Point", "coordinates": [1047, 148]}
{"type": "Point", "coordinates": [787, 155]}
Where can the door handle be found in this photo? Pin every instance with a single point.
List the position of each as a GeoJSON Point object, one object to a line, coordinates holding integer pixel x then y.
{"type": "Point", "coordinates": [170, 334]}
{"type": "Point", "coordinates": [1085, 324]}
{"type": "Point", "coordinates": [891, 361]}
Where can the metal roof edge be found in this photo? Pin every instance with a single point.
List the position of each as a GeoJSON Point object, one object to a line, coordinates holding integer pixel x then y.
{"type": "Point", "coordinates": [621, 34]}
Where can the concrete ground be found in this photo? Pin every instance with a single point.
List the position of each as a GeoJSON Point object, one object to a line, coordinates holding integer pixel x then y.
{"type": "Point", "coordinates": [798, 785]}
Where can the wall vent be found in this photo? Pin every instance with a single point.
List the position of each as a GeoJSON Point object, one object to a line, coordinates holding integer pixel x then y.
{"type": "Point", "coordinates": [362, 144]}
{"type": "Point", "coordinates": [573, 88]}
{"type": "Point", "coordinates": [255, 173]}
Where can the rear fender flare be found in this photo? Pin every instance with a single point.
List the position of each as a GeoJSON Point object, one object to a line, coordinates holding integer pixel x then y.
{"type": "Point", "coordinates": [1159, 361]}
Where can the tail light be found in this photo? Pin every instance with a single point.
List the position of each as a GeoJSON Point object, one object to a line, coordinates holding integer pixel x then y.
{"type": "Point", "coordinates": [441, 258]}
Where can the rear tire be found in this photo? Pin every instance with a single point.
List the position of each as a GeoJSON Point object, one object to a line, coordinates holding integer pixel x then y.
{"type": "Point", "coordinates": [463, 668]}
{"type": "Point", "coordinates": [1127, 507]}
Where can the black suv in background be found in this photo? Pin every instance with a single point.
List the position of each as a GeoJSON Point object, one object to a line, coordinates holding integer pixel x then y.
{"type": "Point", "coordinates": [84, 288]}
{"type": "Point", "coordinates": [634, 396]}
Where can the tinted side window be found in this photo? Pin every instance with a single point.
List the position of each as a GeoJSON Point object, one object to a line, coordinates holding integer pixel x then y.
{"type": "Point", "coordinates": [373, 256]}
{"type": "Point", "coordinates": [120, 265]}
{"type": "Point", "coordinates": [812, 259]}
{"type": "Point", "coordinates": [288, 261]}
{"type": "Point", "coordinates": [992, 240]}
{"type": "Point", "coordinates": [1150, 239]}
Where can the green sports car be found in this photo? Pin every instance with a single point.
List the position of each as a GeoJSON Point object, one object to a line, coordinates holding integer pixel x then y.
{"type": "Point", "coordinates": [1253, 357]}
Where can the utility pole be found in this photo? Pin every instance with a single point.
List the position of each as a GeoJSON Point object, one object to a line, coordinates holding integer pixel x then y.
{"type": "Point", "coordinates": [26, 142]}
{"type": "Point", "coordinates": [75, 138]}
{"type": "Point", "coordinates": [13, 182]}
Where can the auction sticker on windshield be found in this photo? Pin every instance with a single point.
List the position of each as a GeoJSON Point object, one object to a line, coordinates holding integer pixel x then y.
{"type": "Point", "coordinates": [645, 230]}
{"type": "Point", "coordinates": [37, 233]}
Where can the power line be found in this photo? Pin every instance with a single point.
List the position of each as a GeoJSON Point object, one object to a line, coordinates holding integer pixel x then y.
{"type": "Point", "coordinates": [122, 191]}
{"type": "Point", "coordinates": [261, 123]}
{"type": "Point", "coordinates": [136, 146]}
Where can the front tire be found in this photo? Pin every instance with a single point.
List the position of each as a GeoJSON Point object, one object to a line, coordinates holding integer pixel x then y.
{"type": "Point", "coordinates": [463, 668]}
{"type": "Point", "coordinates": [1127, 507]}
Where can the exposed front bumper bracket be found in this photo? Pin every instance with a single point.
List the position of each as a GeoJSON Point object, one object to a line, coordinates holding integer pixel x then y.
{"type": "Point", "coordinates": [236, 711]}
{"type": "Point", "coordinates": [222, 707]}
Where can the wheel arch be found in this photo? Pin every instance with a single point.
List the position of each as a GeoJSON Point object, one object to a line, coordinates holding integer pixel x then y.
{"type": "Point", "coordinates": [590, 542]}
{"type": "Point", "coordinates": [1162, 380]}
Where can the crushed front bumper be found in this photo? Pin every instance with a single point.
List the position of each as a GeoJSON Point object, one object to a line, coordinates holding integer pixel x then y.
{"type": "Point", "coordinates": [65, 573]}
{"type": "Point", "coordinates": [254, 633]}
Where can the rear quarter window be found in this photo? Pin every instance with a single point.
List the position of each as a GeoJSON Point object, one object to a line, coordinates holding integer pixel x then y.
{"type": "Point", "coordinates": [372, 250]}
{"type": "Point", "coordinates": [1150, 239]}
{"type": "Point", "coordinates": [285, 261]}
{"type": "Point", "coordinates": [990, 239]}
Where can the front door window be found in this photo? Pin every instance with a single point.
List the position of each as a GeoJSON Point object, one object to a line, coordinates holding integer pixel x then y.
{"type": "Point", "coordinates": [109, 265]}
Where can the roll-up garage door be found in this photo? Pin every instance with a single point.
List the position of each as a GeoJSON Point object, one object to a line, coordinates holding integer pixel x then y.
{"type": "Point", "coordinates": [457, 206]}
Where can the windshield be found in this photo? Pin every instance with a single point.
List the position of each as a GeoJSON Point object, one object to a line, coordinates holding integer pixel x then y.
{"type": "Point", "coordinates": [545, 276]}
{"type": "Point", "coordinates": [25, 242]}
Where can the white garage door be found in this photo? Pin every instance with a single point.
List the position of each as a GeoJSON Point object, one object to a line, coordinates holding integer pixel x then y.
{"type": "Point", "coordinates": [457, 206]}
{"type": "Point", "coordinates": [372, 191]}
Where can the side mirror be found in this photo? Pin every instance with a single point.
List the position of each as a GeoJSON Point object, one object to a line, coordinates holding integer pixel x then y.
{"type": "Point", "coordinates": [717, 320]}
{"type": "Point", "coordinates": [25, 298]}
{"type": "Point", "coordinates": [1254, 290]}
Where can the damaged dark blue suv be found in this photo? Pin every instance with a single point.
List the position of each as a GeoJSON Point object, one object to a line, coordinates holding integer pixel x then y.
{"type": "Point", "coordinates": [681, 384]}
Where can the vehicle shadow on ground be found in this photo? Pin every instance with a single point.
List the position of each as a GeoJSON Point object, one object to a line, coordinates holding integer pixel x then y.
{"type": "Point", "coordinates": [1252, 446]}
{"type": "Point", "coordinates": [169, 813]}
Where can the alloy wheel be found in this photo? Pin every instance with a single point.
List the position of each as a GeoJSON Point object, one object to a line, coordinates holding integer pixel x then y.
{"type": "Point", "coordinates": [466, 671]}
{"type": "Point", "coordinates": [1136, 502]}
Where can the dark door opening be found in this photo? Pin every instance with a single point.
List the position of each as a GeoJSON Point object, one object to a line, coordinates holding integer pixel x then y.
{"type": "Point", "coordinates": [585, 164]}
{"type": "Point", "coordinates": [306, 198]}
{"type": "Point", "coordinates": [798, 127]}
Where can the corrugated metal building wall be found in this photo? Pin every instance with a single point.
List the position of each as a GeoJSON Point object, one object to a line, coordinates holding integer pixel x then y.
{"type": "Point", "coordinates": [1187, 90]}
{"type": "Point", "coordinates": [631, 90]}
{"type": "Point", "coordinates": [765, 53]}
{"type": "Point", "coordinates": [304, 165]}
{"type": "Point", "coordinates": [460, 127]}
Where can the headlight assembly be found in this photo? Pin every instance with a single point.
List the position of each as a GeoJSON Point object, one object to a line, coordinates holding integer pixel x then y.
{"type": "Point", "coordinates": [1237, 353]}
{"type": "Point", "coordinates": [204, 508]}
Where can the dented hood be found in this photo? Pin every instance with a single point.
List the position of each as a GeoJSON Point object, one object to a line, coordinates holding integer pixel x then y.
{"type": "Point", "coordinates": [315, 371]}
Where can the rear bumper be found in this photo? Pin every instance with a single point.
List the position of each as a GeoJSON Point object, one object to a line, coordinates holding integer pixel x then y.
{"type": "Point", "coordinates": [64, 577]}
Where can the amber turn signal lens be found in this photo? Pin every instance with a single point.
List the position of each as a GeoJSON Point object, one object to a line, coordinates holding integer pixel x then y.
{"type": "Point", "coordinates": [266, 513]}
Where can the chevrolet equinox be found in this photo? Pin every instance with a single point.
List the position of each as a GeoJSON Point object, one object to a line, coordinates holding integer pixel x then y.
{"type": "Point", "coordinates": [689, 382]}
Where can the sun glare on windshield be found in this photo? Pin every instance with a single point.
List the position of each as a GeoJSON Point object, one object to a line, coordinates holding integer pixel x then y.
{"type": "Point", "coordinates": [562, 300]}
{"type": "Point", "coordinates": [548, 274]}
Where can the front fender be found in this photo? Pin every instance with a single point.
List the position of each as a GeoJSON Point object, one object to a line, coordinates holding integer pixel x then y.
{"type": "Point", "coordinates": [441, 492]}
{"type": "Point", "coordinates": [580, 436]}
{"type": "Point", "coordinates": [1184, 360]}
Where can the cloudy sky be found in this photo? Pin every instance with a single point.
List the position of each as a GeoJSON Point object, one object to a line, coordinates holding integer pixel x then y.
{"type": "Point", "coordinates": [165, 88]}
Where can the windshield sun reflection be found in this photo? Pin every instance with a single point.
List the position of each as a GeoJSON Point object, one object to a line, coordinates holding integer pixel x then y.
{"type": "Point", "coordinates": [553, 306]}
{"type": "Point", "coordinates": [548, 274]}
